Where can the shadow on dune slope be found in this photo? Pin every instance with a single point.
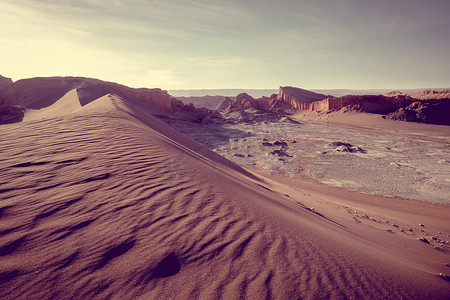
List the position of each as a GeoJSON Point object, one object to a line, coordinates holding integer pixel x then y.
{"type": "Point", "coordinates": [109, 202]}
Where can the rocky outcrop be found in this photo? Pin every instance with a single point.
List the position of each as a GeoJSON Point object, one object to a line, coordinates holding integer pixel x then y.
{"type": "Point", "coordinates": [37, 93]}
{"type": "Point", "coordinates": [209, 102]}
{"type": "Point", "coordinates": [11, 114]}
{"type": "Point", "coordinates": [294, 96]}
{"type": "Point", "coordinates": [4, 82]}
{"type": "Point", "coordinates": [297, 99]}
{"type": "Point", "coordinates": [377, 104]}
{"type": "Point", "coordinates": [287, 99]}
{"type": "Point", "coordinates": [431, 112]}
{"type": "Point", "coordinates": [224, 104]}
{"type": "Point", "coordinates": [245, 108]}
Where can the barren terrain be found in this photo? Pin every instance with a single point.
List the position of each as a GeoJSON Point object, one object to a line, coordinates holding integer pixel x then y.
{"type": "Point", "coordinates": [387, 158]}
{"type": "Point", "coordinates": [107, 201]}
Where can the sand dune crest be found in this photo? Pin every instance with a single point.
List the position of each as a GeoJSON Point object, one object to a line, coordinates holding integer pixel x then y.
{"type": "Point", "coordinates": [65, 105]}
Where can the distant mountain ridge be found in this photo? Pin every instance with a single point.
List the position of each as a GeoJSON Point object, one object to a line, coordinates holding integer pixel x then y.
{"type": "Point", "coordinates": [209, 102]}
{"type": "Point", "coordinates": [44, 92]}
{"type": "Point", "coordinates": [258, 93]}
{"type": "Point", "coordinates": [394, 105]}
{"type": "Point", "coordinates": [18, 98]}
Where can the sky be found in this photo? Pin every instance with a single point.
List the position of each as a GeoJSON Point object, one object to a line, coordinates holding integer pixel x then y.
{"type": "Point", "coordinates": [211, 44]}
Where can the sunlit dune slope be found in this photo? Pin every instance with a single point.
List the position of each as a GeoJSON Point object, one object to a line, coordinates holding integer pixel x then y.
{"type": "Point", "coordinates": [111, 202]}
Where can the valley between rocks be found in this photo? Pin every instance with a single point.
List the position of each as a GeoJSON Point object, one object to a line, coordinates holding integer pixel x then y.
{"type": "Point", "coordinates": [389, 163]}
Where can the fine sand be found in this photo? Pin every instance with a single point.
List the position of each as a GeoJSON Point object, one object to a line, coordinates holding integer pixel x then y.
{"type": "Point", "coordinates": [67, 104]}
{"type": "Point", "coordinates": [110, 202]}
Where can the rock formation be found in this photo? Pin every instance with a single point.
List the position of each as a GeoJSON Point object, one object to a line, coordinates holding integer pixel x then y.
{"type": "Point", "coordinates": [288, 99]}
{"type": "Point", "coordinates": [209, 102]}
{"type": "Point", "coordinates": [4, 82]}
{"type": "Point", "coordinates": [429, 94]}
{"type": "Point", "coordinates": [296, 97]}
{"type": "Point", "coordinates": [394, 105]}
{"type": "Point", "coordinates": [10, 114]}
{"type": "Point", "coordinates": [38, 93]}
{"type": "Point", "coordinates": [291, 99]}
{"type": "Point", "coordinates": [431, 112]}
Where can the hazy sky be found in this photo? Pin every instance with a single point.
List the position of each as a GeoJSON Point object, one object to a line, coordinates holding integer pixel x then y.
{"type": "Point", "coordinates": [188, 44]}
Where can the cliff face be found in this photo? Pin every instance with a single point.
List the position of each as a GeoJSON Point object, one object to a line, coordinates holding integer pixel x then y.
{"type": "Point", "coordinates": [394, 105]}
{"type": "Point", "coordinates": [376, 104]}
{"type": "Point", "coordinates": [209, 102]}
{"type": "Point", "coordinates": [287, 99]}
{"type": "Point", "coordinates": [36, 93]}
{"type": "Point", "coordinates": [4, 82]}
{"type": "Point", "coordinates": [297, 98]}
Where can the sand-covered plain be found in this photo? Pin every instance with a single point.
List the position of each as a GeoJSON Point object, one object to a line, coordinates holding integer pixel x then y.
{"type": "Point", "coordinates": [355, 151]}
{"type": "Point", "coordinates": [110, 202]}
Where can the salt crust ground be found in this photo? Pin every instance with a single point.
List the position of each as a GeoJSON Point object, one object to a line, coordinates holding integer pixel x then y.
{"type": "Point", "coordinates": [109, 202]}
{"type": "Point", "coordinates": [398, 160]}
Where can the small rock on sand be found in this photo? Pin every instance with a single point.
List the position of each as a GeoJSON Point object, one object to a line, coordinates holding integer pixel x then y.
{"type": "Point", "coordinates": [426, 241]}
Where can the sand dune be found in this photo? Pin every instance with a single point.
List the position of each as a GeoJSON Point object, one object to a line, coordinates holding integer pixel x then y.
{"type": "Point", "coordinates": [67, 104]}
{"type": "Point", "coordinates": [110, 202]}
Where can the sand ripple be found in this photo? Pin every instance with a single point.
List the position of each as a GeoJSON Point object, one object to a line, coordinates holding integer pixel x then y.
{"type": "Point", "coordinates": [98, 205]}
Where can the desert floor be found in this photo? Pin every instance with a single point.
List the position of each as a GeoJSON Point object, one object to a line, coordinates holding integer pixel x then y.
{"type": "Point", "coordinates": [110, 202]}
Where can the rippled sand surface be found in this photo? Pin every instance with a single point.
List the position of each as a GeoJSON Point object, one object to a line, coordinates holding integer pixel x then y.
{"type": "Point", "coordinates": [109, 202]}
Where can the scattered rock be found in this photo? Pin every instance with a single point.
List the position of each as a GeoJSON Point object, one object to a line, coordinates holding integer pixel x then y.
{"type": "Point", "coordinates": [443, 276]}
{"type": "Point", "coordinates": [345, 147]}
{"type": "Point", "coordinates": [426, 241]}
{"type": "Point", "coordinates": [11, 114]}
{"type": "Point", "coordinates": [280, 152]}
{"type": "Point", "coordinates": [267, 144]}
{"type": "Point", "coordinates": [280, 143]}
{"type": "Point", "coordinates": [338, 144]}
{"type": "Point", "coordinates": [239, 155]}
{"type": "Point", "coordinates": [421, 225]}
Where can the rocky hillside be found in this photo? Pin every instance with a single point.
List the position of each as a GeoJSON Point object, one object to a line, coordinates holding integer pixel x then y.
{"type": "Point", "coordinates": [209, 102]}
{"type": "Point", "coordinates": [288, 98]}
{"type": "Point", "coordinates": [424, 111]}
{"type": "Point", "coordinates": [38, 93]}
{"type": "Point", "coordinates": [426, 107]}
{"type": "Point", "coordinates": [4, 82]}
{"type": "Point", "coordinates": [429, 95]}
{"type": "Point", "coordinates": [377, 104]}
{"type": "Point", "coordinates": [291, 99]}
